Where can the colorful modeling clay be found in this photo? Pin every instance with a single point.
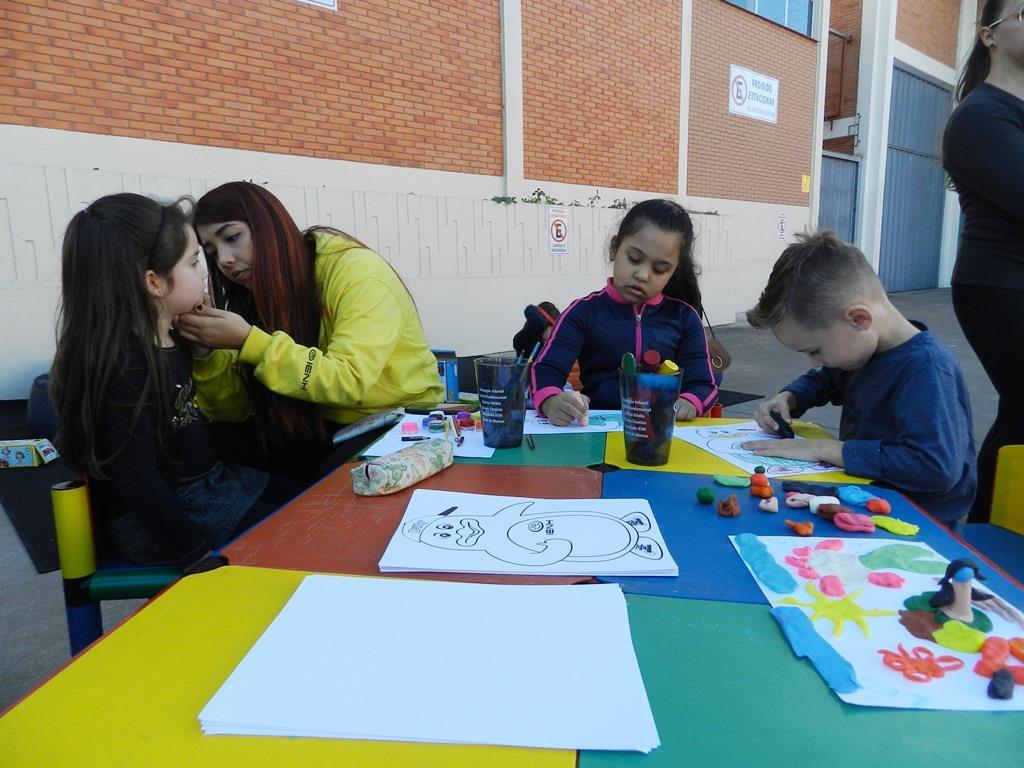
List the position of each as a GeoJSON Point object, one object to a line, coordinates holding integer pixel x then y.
{"type": "Point", "coordinates": [838, 611]}
{"type": "Point", "coordinates": [763, 565]}
{"type": "Point", "coordinates": [957, 636]}
{"type": "Point", "coordinates": [730, 507]}
{"type": "Point", "coordinates": [770, 504]}
{"type": "Point", "coordinates": [921, 665]}
{"type": "Point", "coordinates": [853, 494]}
{"type": "Point", "coordinates": [879, 507]}
{"type": "Point", "coordinates": [732, 481]}
{"type": "Point", "coordinates": [851, 521]}
{"type": "Point", "coordinates": [994, 653]}
{"type": "Point", "coordinates": [801, 528]}
{"type": "Point", "coordinates": [885, 579]}
{"type": "Point", "coordinates": [705, 496]}
{"type": "Point", "coordinates": [816, 501]}
{"type": "Point", "coordinates": [828, 512]}
{"type": "Point", "coordinates": [895, 525]}
{"type": "Point", "coordinates": [832, 586]}
{"type": "Point", "coordinates": [1001, 685]}
{"type": "Point", "coordinates": [797, 500]}
{"type": "Point", "coordinates": [761, 491]}
{"type": "Point", "coordinates": [811, 489]}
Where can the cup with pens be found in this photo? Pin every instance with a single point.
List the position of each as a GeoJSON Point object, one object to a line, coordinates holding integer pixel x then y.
{"type": "Point", "coordinates": [649, 394]}
{"type": "Point", "coordinates": [501, 384]}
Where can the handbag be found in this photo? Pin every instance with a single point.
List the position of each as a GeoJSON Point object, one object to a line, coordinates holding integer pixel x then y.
{"type": "Point", "coordinates": [717, 353]}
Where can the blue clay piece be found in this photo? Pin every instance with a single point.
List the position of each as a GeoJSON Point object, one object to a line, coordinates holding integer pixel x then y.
{"type": "Point", "coordinates": [771, 574]}
{"type": "Point", "coordinates": [854, 494]}
{"type": "Point", "coordinates": [805, 642]}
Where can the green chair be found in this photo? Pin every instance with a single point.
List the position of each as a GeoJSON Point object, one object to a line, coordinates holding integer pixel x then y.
{"type": "Point", "coordinates": [90, 574]}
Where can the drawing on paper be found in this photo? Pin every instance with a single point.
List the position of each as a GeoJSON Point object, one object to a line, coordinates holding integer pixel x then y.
{"type": "Point", "coordinates": [726, 442]}
{"type": "Point", "coordinates": [515, 535]}
{"type": "Point", "coordinates": [930, 637]}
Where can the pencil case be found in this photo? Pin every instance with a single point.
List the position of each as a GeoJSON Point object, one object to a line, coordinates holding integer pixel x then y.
{"type": "Point", "coordinates": [395, 471]}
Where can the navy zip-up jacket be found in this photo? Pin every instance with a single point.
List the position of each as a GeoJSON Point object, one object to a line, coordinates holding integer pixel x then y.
{"type": "Point", "coordinates": [600, 328]}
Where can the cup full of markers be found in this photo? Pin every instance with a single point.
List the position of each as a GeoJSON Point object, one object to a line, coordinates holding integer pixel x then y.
{"type": "Point", "coordinates": [649, 392]}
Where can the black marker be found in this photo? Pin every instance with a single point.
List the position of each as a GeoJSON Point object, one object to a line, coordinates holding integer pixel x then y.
{"type": "Point", "coordinates": [785, 431]}
{"type": "Point", "coordinates": [413, 438]}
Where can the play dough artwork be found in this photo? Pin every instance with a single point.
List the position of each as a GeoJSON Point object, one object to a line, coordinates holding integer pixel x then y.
{"type": "Point", "coordinates": [919, 632]}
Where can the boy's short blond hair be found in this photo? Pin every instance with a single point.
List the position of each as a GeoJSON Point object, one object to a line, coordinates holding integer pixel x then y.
{"type": "Point", "coordinates": [814, 279]}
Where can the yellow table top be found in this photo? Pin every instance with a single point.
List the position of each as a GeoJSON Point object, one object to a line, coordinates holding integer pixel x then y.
{"type": "Point", "coordinates": [690, 459]}
{"type": "Point", "coordinates": [134, 697]}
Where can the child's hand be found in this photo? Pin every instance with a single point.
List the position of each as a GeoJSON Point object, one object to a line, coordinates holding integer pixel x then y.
{"type": "Point", "coordinates": [827, 450]}
{"type": "Point", "coordinates": [214, 328]}
{"type": "Point", "coordinates": [783, 402]}
{"type": "Point", "coordinates": [685, 410]}
{"type": "Point", "coordinates": [565, 407]}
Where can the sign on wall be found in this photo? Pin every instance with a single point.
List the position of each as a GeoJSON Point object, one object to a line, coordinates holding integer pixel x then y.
{"type": "Point", "coordinates": [753, 95]}
{"type": "Point", "coordinates": [558, 232]}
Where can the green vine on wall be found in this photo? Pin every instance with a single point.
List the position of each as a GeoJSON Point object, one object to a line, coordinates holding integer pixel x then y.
{"type": "Point", "coordinates": [540, 197]}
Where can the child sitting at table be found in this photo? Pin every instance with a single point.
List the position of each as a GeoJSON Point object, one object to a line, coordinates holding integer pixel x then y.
{"type": "Point", "coordinates": [906, 419]}
{"type": "Point", "coordinates": [651, 302]}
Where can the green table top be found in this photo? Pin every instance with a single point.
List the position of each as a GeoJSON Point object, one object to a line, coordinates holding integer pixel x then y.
{"type": "Point", "coordinates": [726, 690]}
{"type": "Point", "coordinates": [578, 450]}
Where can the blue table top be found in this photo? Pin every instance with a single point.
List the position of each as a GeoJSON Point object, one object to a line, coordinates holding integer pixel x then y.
{"type": "Point", "coordinates": [709, 566]}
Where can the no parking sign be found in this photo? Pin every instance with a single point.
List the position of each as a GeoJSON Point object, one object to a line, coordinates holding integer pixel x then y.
{"type": "Point", "coordinates": [558, 232]}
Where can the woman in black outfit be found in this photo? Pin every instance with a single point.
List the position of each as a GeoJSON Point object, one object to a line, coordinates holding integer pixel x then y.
{"type": "Point", "coordinates": [983, 152]}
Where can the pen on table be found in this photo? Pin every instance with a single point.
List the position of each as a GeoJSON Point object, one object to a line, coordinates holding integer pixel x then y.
{"type": "Point", "coordinates": [529, 442]}
{"type": "Point", "coordinates": [459, 437]}
{"type": "Point", "coordinates": [413, 438]}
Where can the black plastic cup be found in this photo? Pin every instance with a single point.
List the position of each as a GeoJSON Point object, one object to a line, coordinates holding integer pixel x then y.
{"type": "Point", "coordinates": [501, 384]}
{"type": "Point", "coordinates": [648, 415]}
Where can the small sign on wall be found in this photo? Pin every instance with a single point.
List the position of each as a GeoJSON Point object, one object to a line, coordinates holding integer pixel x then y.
{"type": "Point", "coordinates": [780, 226]}
{"type": "Point", "coordinates": [753, 95]}
{"type": "Point", "coordinates": [558, 231]}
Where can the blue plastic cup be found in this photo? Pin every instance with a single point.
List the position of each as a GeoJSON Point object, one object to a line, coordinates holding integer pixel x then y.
{"type": "Point", "coordinates": [501, 384]}
{"type": "Point", "coordinates": [648, 415]}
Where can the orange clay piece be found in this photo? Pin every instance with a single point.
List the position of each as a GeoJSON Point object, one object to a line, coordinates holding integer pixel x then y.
{"type": "Point", "coordinates": [879, 507]}
{"type": "Point", "coordinates": [801, 529]}
{"type": "Point", "coordinates": [730, 507]}
{"type": "Point", "coordinates": [993, 658]}
{"type": "Point", "coordinates": [1017, 647]}
{"type": "Point", "coordinates": [920, 665]}
{"type": "Point", "coordinates": [759, 478]}
{"type": "Point", "coordinates": [761, 491]}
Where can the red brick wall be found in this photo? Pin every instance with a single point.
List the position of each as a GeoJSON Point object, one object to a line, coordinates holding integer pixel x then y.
{"type": "Point", "coordinates": [843, 144]}
{"type": "Point", "coordinates": [396, 82]}
{"type": "Point", "coordinates": [930, 26]}
{"type": "Point", "coordinates": [601, 92]}
{"type": "Point", "coordinates": [841, 79]}
{"type": "Point", "coordinates": [736, 157]}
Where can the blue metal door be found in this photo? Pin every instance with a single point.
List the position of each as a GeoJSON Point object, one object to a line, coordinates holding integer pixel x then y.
{"type": "Point", "coordinates": [914, 183]}
{"type": "Point", "coordinates": [837, 209]}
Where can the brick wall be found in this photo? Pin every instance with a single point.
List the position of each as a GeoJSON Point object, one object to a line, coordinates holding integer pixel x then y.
{"type": "Point", "coordinates": [930, 26]}
{"type": "Point", "coordinates": [736, 157]}
{"type": "Point", "coordinates": [841, 79]}
{"type": "Point", "coordinates": [601, 93]}
{"type": "Point", "coordinates": [843, 144]}
{"type": "Point", "coordinates": [396, 82]}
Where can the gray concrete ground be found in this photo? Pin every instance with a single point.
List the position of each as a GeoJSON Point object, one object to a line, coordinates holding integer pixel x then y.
{"type": "Point", "coordinates": [33, 634]}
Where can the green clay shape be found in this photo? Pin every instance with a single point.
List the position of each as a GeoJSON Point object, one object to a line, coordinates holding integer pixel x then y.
{"type": "Point", "coordinates": [895, 525]}
{"type": "Point", "coordinates": [706, 496]}
{"type": "Point", "coordinates": [732, 481]}
{"type": "Point", "coordinates": [904, 557]}
{"type": "Point", "coordinates": [980, 622]}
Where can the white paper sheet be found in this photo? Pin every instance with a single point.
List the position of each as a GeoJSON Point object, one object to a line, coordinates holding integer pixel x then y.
{"type": "Point", "coordinates": [472, 446]}
{"type": "Point", "coordinates": [397, 660]}
{"type": "Point", "coordinates": [959, 689]}
{"type": "Point", "coordinates": [474, 533]}
{"type": "Point", "coordinates": [600, 421]}
{"type": "Point", "coordinates": [724, 442]}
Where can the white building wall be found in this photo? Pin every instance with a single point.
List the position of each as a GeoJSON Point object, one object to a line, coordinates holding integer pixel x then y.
{"type": "Point", "coordinates": [471, 264]}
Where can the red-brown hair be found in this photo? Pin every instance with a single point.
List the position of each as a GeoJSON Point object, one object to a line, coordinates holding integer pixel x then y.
{"type": "Point", "coordinates": [284, 296]}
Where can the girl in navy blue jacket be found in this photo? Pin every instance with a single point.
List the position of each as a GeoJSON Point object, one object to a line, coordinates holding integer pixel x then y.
{"type": "Point", "coordinates": [651, 302]}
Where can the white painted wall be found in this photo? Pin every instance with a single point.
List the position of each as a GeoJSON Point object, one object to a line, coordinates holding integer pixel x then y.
{"type": "Point", "coordinates": [472, 265]}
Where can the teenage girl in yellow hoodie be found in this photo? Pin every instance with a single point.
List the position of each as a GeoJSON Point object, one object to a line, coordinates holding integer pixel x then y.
{"type": "Point", "coordinates": [314, 330]}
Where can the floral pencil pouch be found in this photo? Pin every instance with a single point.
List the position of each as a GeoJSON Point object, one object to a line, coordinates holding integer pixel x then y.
{"type": "Point", "coordinates": [395, 471]}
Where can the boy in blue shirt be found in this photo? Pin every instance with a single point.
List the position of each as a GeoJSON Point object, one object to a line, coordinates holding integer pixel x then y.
{"type": "Point", "coordinates": [906, 418]}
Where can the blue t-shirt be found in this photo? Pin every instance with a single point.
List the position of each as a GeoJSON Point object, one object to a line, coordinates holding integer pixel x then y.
{"type": "Point", "coordinates": [906, 422]}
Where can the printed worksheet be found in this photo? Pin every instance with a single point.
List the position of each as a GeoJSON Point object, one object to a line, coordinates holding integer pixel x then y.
{"type": "Point", "coordinates": [726, 443]}
{"type": "Point", "coordinates": [599, 421]}
{"type": "Point", "coordinates": [475, 533]}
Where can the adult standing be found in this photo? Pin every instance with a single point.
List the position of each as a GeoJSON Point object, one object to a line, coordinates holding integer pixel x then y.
{"type": "Point", "coordinates": [314, 330]}
{"type": "Point", "coordinates": [983, 152]}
